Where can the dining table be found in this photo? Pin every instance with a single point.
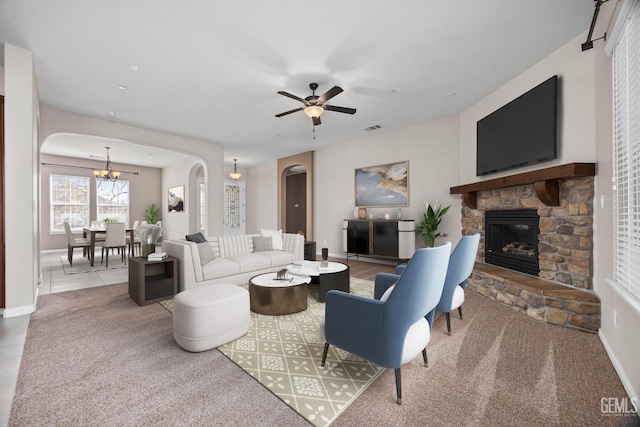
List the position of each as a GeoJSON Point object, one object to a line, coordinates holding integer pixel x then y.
{"type": "Point", "coordinates": [93, 231]}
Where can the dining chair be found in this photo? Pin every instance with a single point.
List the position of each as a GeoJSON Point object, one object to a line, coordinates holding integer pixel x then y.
{"type": "Point", "coordinates": [73, 242]}
{"type": "Point", "coordinates": [393, 330]}
{"type": "Point", "coordinates": [136, 241]}
{"type": "Point", "coordinates": [115, 238]}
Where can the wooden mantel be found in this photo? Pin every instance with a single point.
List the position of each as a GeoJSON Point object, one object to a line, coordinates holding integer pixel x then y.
{"type": "Point", "coordinates": [545, 182]}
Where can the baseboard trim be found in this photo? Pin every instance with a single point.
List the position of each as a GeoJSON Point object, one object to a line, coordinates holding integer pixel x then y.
{"type": "Point", "coordinates": [626, 383]}
{"type": "Point", "coordinates": [18, 311]}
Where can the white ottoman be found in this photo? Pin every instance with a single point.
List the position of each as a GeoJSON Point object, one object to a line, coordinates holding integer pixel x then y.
{"type": "Point", "coordinates": [208, 317]}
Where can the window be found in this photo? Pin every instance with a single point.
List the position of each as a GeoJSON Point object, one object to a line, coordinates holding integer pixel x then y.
{"type": "Point", "coordinates": [626, 93]}
{"type": "Point", "coordinates": [112, 200]}
{"type": "Point", "coordinates": [69, 202]}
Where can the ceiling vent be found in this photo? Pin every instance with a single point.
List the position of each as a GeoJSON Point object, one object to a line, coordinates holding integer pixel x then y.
{"type": "Point", "coordinates": [374, 127]}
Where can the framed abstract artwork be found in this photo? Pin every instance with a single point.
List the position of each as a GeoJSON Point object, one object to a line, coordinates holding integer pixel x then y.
{"type": "Point", "coordinates": [176, 199]}
{"type": "Point", "coordinates": [383, 185]}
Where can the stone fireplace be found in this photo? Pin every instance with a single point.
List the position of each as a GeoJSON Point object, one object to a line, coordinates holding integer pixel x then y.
{"type": "Point", "coordinates": [536, 247]}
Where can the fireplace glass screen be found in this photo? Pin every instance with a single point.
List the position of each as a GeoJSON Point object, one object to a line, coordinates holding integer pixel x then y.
{"type": "Point", "coordinates": [511, 239]}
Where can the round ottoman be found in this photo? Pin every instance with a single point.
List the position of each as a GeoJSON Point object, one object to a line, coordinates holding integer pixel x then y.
{"type": "Point", "coordinates": [208, 317]}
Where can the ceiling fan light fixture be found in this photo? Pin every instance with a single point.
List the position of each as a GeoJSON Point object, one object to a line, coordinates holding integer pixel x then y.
{"type": "Point", "coordinates": [235, 175]}
{"type": "Point", "coordinates": [313, 111]}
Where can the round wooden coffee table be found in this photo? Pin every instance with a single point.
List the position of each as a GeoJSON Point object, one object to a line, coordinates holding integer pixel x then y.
{"type": "Point", "coordinates": [268, 295]}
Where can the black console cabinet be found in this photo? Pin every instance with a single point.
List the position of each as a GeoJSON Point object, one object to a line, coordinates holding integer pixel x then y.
{"type": "Point", "coordinates": [379, 238]}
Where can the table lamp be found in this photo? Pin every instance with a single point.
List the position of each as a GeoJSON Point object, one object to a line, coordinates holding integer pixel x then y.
{"type": "Point", "coordinates": [148, 235]}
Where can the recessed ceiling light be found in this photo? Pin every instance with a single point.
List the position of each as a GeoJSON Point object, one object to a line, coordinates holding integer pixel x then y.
{"type": "Point", "coordinates": [111, 113]}
{"type": "Point", "coordinates": [122, 87]}
{"type": "Point", "coordinates": [134, 68]}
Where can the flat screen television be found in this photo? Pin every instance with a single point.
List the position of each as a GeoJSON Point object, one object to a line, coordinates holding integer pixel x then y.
{"type": "Point", "coordinates": [521, 133]}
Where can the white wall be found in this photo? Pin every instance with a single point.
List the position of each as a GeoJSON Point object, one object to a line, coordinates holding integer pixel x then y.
{"type": "Point", "coordinates": [21, 181]}
{"type": "Point", "coordinates": [262, 197]}
{"type": "Point", "coordinates": [576, 109]}
{"type": "Point", "coordinates": [176, 224]}
{"type": "Point", "coordinates": [427, 147]}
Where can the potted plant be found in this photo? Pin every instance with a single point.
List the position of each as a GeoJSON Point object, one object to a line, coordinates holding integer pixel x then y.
{"type": "Point", "coordinates": [428, 226]}
{"type": "Point", "coordinates": [151, 214]}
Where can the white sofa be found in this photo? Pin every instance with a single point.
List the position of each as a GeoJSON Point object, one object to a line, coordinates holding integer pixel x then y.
{"type": "Point", "coordinates": [235, 261]}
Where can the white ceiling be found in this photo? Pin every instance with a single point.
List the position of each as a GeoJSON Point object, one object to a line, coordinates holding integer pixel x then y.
{"type": "Point", "coordinates": [211, 70]}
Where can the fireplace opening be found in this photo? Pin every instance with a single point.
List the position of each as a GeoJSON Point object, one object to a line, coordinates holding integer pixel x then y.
{"type": "Point", "coordinates": [511, 239]}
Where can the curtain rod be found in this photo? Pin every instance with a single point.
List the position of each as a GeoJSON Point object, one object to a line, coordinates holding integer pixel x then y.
{"type": "Point", "coordinates": [83, 167]}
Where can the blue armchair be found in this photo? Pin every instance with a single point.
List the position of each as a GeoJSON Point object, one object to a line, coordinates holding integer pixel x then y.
{"type": "Point", "coordinates": [460, 268]}
{"type": "Point", "coordinates": [392, 330]}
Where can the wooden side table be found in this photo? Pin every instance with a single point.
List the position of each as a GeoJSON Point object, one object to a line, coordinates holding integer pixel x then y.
{"type": "Point", "coordinates": [151, 281]}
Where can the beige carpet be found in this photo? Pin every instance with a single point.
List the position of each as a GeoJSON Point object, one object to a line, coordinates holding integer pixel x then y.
{"type": "Point", "coordinates": [95, 358]}
{"type": "Point", "coordinates": [283, 353]}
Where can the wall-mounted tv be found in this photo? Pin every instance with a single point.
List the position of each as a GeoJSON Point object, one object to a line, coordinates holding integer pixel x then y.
{"type": "Point", "coordinates": [521, 133]}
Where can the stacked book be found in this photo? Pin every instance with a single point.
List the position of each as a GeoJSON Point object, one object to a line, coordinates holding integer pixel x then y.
{"type": "Point", "coordinates": [157, 256]}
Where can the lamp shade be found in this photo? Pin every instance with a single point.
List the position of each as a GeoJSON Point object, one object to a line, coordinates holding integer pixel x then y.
{"type": "Point", "coordinates": [148, 233]}
{"type": "Point", "coordinates": [314, 111]}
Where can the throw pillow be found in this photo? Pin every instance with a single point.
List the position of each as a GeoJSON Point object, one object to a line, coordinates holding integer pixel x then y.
{"type": "Point", "coordinates": [195, 238]}
{"type": "Point", "coordinates": [276, 236]}
{"type": "Point", "coordinates": [262, 244]}
{"type": "Point", "coordinates": [206, 253]}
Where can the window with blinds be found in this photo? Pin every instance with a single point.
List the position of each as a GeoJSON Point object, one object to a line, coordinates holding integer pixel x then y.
{"type": "Point", "coordinates": [626, 92]}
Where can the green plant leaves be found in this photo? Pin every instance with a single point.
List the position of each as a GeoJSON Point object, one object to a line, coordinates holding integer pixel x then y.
{"type": "Point", "coordinates": [428, 226]}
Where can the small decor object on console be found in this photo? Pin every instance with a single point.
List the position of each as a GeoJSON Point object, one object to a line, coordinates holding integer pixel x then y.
{"type": "Point", "coordinates": [362, 213]}
{"type": "Point", "coordinates": [387, 216]}
{"type": "Point", "coordinates": [399, 215]}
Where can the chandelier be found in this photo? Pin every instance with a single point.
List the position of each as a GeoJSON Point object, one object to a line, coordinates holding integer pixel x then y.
{"type": "Point", "coordinates": [107, 174]}
{"type": "Point", "coordinates": [235, 175]}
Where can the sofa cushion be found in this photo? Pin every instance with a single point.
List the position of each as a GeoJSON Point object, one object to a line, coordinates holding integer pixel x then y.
{"type": "Point", "coordinates": [220, 267]}
{"type": "Point", "coordinates": [195, 238]}
{"type": "Point", "coordinates": [279, 258]}
{"type": "Point", "coordinates": [251, 262]}
{"type": "Point", "coordinates": [262, 244]}
{"type": "Point", "coordinates": [276, 235]}
{"type": "Point", "coordinates": [206, 253]}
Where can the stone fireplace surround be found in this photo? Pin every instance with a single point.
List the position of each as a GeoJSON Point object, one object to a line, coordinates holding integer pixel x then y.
{"type": "Point", "coordinates": [563, 196]}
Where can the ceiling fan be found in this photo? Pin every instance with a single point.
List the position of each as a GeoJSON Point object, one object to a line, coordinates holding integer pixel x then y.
{"type": "Point", "coordinates": [314, 105]}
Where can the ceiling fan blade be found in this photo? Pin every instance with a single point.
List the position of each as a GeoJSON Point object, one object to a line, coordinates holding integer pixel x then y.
{"type": "Point", "coordinates": [297, 98]}
{"type": "Point", "coordinates": [316, 121]}
{"type": "Point", "coordinates": [289, 112]}
{"type": "Point", "coordinates": [339, 109]}
{"type": "Point", "coordinates": [329, 94]}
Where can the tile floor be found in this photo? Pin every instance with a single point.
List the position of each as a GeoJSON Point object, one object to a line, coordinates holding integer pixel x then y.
{"type": "Point", "coordinates": [13, 330]}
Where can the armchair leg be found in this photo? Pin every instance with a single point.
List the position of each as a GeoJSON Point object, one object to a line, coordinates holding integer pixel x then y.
{"type": "Point", "coordinates": [448, 317]}
{"type": "Point", "coordinates": [324, 353]}
{"type": "Point", "coordinates": [398, 387]}
{"type": "Point", "coordinates": [424, 357]}
{"type": "Point", "coordinates": [460, 311]}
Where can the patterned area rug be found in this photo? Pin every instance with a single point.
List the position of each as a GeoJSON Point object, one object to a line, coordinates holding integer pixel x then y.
{"type": "Point", "coordinates": [82, 264]}
{"type": "Point", "coordinates": [283, 353]}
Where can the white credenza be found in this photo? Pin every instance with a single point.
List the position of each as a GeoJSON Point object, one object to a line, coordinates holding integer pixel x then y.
{"type": "Point", "coordinates": [390, 239]}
